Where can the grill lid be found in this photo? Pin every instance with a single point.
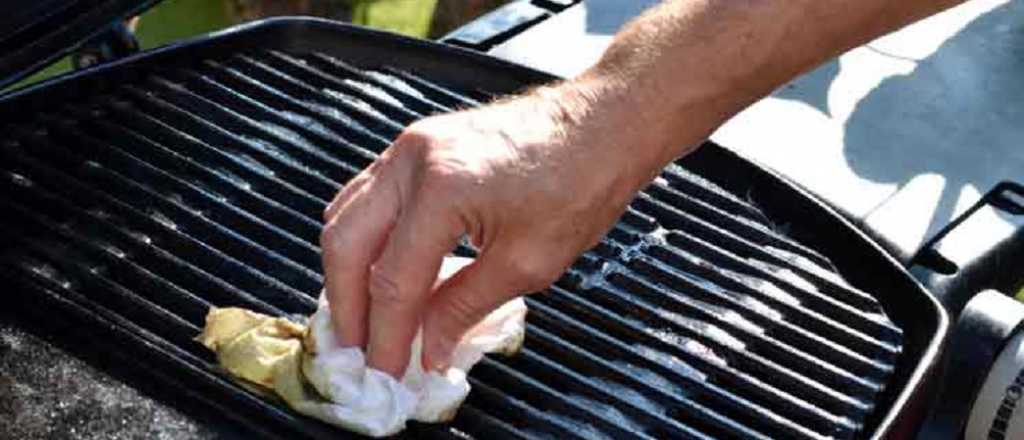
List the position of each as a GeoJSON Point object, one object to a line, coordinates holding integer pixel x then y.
{"type": "Point", "coordinates": [35, 33]}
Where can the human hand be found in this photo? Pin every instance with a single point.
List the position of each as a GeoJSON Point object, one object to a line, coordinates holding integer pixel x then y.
{"type": "Point", "coordinates": [533, 181]}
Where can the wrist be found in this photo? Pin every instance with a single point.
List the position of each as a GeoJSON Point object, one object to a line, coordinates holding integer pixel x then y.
{"type": "Point", "coordinates": [605, 124]}
{"type": "Point", "coordinates": [628, 121]}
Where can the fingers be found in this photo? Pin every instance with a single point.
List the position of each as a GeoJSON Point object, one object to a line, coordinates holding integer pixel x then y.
{"type": "Point", "coordinates": [355, 185]}
{"type": "Point", "coordinates": [468, 297]}
{"type": "Point", "coordinates": [350, 242]}
{"type": "Point", "coordinates": [458, 305]}
{"type": "Point", "coordinates": [402, 278]}
{"type": "Point", "coordinates": [345, 195]}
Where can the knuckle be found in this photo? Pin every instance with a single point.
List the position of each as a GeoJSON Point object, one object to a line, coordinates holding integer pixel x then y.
{"type": "Point", "coordinates": [533, 274]}
{"type": "Point", "coordinates": [438, 343]}
{"type": "Point", "coordinates": [331, 239]}
{"type": "Point", "coordinates": [328, 212]}
{"type": "Point", "coordinates": [443, 165]}
{"type": "Point", "coordinates": [441, 178]}
{"type": "Point", "coordinates": [416, 135]}
{"type": "Point", "coordinates": [459, 314]}
{"type": "Point", "coordinates": [325, 215]}
{"type": "Point", "coordinates": [384, 291]}
{"type": "Point", "coordinates": [441, 332]}
{"type": "Point", "coordinates": [419, 126]}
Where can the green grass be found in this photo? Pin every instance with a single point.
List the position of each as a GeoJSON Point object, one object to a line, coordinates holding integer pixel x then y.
{"type": "Point", "coordinates": [169, 21]}
{"type": "Point", "coordinates": [55, 69]}
{"type": "Point", "coordinates": [173, 20]}
{"type": "Point", "coordinates": [409, 17]}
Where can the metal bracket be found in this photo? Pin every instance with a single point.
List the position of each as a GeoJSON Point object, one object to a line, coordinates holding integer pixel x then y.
{"type": "Point", "coordinates": [1006, 196]}
{"type": "Point", "coordinates": [499, 25]}
{"type": "Point", "coordinates": [955, 283]}
{"type": "Point", "coordinates": [117, 41]}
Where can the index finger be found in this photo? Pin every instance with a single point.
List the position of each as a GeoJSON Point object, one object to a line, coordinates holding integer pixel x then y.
{"type": "Point", "coordinates": [350, 241]}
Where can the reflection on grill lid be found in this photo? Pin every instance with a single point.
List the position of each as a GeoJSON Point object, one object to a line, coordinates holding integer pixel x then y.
{"type": "Point", "coordinates": [204, 185]}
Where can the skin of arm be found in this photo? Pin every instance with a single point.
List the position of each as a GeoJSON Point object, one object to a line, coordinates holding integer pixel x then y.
{"type": "Point", "coordinates": [537, 179]}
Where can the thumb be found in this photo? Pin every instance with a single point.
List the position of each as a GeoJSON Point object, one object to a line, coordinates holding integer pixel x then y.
{"type": "Point", "coordinates": [464, 300]}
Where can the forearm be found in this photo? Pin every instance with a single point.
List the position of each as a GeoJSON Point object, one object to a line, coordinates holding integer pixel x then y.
{"type": "Point", "coordinates": [677, 72]}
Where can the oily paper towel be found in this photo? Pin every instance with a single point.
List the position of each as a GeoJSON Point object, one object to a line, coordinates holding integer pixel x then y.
{"type": "Point", "coordinates": [306, 368]}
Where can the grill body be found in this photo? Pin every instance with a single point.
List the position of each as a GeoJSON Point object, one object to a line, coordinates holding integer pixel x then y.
{"type": "Point", "coordinates": [144, 191]}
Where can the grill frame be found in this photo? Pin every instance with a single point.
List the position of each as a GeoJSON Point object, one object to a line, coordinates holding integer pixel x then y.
{"type": "Point", "coordinates": [811, 222]}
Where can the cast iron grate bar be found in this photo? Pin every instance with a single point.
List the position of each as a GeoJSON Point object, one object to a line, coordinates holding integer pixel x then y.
{"type": "Point", "coordinates": [776, 255]}
{"type": "Point", "coordinates": [186, 128]}
{"type": "Point", "coordinates": [750, 385]}
{"type": "Point", "coordinates": [253, 203]}
{"type": "Point", "coordinates": [191, 197]}
{"type": "Point", "coordinates": [741, 340]}
{"type": "Point", "coordinates": [678, 254]}
{"type": "Point", "coordinates": [256, 135]}
{"type": "Point", "coordinates": [204, 185]}
{"type": "Point", "coordinates": [765, 304]}
{"type": "Point", "coordinates": [365, 113]}
{"type": "Point", "coordinates": [379, 99]}
{"type": "Point", "coordinates": [334, 68]}
{"type": "Point", "coordinates": [442, 94]}
{"type": "Point", "coordinates": [693, 396]}
{"type": "Point", "coordinates": [234, 179]}
{"type": "Point", "coordinates": [175, 217]}
{"type": "Point", "coordinates": [625, 290]}
{"type": "Point", "coordinates": [128, 233]}
{"type": "Point", "coordinates": [291, 114]}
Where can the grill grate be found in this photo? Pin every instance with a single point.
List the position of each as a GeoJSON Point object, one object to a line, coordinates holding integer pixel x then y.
{"type": "Point", "coordinates": [693, 318]}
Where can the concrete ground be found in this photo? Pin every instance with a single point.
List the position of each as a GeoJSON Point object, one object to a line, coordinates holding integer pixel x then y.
{"type": "Point", "coordinates": [902, 134]}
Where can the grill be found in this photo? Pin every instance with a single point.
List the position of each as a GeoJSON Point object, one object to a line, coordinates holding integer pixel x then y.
{"type": "Point", "coordinates": [141, 193]}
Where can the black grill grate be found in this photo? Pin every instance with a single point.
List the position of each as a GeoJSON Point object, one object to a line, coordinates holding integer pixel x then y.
{"type": "Point", "coordinates": [204, 185]}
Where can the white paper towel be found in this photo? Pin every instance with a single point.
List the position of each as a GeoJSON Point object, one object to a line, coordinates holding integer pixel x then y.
{"type": "Point", "coordinates": [268, 351]}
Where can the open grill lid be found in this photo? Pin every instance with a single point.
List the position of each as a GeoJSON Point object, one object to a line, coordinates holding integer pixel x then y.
{"type": "Point", "coordinates": [35, 33]}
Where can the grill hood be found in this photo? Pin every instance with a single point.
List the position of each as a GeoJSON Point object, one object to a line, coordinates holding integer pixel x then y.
{"type": "Point", "coordinates": [726, 303]}
{"type": "Point", "coordinates": [35, 33]}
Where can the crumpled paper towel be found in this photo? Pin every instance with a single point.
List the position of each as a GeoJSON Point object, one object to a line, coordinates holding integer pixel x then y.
{"type": "Point", "coordinates": [313, 375]}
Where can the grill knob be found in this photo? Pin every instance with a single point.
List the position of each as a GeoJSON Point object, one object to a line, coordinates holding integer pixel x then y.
{"type": "Point", "coordinates": [983, 381]}
{"type": "Point", "coordinates": [997, 412]}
